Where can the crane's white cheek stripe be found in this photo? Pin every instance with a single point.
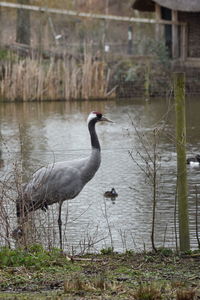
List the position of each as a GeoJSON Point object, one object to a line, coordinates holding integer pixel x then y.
{"type": "Point", "coordinates": [90, 117]}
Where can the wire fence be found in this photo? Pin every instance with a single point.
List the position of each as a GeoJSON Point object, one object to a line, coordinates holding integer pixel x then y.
{"type": "Point", "coordinates": [92, 222]}
{"type": "Point", "coordinates": [84, 58]}
{"type": "Point", "coordinates": [65, 33]}
{"type": "Point", "coordinates": [69, 57]}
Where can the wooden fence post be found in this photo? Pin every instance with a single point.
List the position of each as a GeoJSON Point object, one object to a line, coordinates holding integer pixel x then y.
{"type": "Point", "coordinates": [179, 94]}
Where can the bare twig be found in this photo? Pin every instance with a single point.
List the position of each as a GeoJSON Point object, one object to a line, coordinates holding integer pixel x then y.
{"type": "Point", "coordinates": [196, 216]}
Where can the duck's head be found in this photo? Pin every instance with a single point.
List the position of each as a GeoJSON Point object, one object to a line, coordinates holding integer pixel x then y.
{"type": "Point", "coordinates": [197, 157]}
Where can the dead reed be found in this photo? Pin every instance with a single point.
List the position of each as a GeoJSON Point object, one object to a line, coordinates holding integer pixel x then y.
{"type": "Point", "coordinates": [62, 79]}
{"type": "Point", "coordinates": [185, 294]}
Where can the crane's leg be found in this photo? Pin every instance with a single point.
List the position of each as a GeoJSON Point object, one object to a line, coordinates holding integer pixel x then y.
{"type": "Point", "coordinates": [60, 225]}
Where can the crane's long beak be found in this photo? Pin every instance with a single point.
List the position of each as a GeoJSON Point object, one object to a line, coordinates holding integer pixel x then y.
{"type": "Point", "coordinates": [106, 119]}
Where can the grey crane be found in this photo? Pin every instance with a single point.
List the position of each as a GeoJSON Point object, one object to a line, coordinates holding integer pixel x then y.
{"type": "Point", "coordinates": [62, 180]}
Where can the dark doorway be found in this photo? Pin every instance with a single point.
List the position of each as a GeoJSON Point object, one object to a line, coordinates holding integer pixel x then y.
{"type": "Point", "coordinates": [166, 14]}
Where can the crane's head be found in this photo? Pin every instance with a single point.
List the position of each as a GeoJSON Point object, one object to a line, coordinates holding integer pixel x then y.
{"type": "Point", "coordinates": [97, 117]}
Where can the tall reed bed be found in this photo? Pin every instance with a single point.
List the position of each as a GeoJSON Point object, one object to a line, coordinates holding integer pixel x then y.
{"type": "Point", "coordinates": [63, 79]}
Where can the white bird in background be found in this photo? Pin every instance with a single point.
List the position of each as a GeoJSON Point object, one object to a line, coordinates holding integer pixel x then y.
{"type": "Point", "coordinates": [194, 162]}
{"type": "Point", "coordinates": [62, 180]}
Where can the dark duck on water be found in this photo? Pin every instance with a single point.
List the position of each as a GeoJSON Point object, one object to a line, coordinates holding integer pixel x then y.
{"type": "Point", "coordinates": [111, 194]}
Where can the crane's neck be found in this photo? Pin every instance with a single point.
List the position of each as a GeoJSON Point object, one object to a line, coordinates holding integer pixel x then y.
{"type": "Point", "coordinates": [93, 162]}
{"type": "Point", "coordinates": [93, 135]}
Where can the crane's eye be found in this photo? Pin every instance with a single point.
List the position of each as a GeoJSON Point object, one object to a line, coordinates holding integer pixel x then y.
{"type": "Point", "coordinates": [99, 116]}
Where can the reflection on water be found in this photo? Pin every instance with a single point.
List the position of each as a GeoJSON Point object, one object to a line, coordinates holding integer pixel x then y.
{"type": "Point", "coordinates": [39, 133]}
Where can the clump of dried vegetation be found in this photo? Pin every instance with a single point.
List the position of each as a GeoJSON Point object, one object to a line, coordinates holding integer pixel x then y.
{"type": "Point", "coordinates": [31, 79]}
{"type": "Point", "coordinates": [148, 292]}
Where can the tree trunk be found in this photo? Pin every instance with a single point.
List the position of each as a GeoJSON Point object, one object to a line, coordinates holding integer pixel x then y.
{"type": "Point", "coordinates": [179, 93]}
{"type": "Point", "coordinates": [23, 24]}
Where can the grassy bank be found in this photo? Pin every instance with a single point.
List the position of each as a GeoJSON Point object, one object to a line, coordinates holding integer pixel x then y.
{"type": "Point", "coordinates": [38, 274]}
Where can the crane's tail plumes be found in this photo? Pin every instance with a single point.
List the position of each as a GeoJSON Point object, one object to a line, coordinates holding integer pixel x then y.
{"type": "Point", "coordinates": [18, 209]}
{"type": "Point", "coordinates": [23, 208]}
{"type": "Point", "coordinates": [21, 212]}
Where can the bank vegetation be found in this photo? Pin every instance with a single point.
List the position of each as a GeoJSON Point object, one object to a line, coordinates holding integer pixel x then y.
{"type": "Point", "coordinates": [39, 274]}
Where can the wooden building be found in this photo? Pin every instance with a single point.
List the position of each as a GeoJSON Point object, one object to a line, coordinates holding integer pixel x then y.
{"type": "Point", "coordinates": [178, 22]}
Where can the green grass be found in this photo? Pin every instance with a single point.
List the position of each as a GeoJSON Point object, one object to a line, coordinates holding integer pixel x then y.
{"type": "Point", "coordinates": [4, 54]}
{"type": "Point", "coordinates": [35, 256]}
{"type": "Point", "coordinates": [36, 273]}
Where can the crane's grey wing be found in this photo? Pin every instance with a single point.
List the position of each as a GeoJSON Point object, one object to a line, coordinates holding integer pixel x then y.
{"type": "Point", "coordinates": [55, 183]}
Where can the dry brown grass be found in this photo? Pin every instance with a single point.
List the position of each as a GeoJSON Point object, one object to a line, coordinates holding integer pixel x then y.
{"type": "Point", "coordinates": [184, 294]}
{"type": "Point", "coordinates": [77, 283]}
{"type": "Point", "coordinates": [31, 79]}
{"type": "Point", "coordinates": [148, 292]}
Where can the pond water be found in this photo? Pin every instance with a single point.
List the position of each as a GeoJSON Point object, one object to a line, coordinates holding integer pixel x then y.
{"type": "Point", "coordinates": [40, 133]}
